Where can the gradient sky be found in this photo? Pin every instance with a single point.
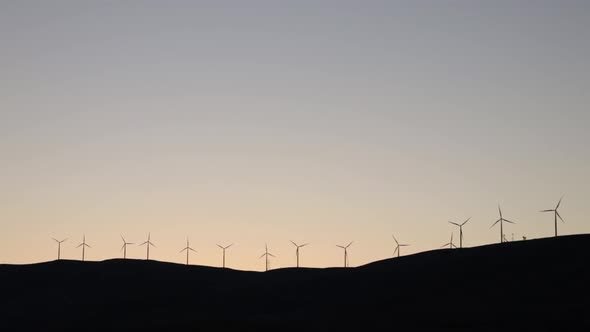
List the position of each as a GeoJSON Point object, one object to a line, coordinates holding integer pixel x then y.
{"type": "Point", "coordinates": [267, 121]}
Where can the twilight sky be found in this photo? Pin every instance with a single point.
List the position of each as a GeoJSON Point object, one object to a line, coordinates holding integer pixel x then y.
{"type": "Point", "coordinates": [267, 121]}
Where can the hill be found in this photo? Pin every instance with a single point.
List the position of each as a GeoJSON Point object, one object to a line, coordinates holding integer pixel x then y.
{"type": "Point", "coordinates": [535, 285]}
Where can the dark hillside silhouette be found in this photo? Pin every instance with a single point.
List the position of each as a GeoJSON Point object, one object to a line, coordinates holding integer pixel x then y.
{"type": "Point", "coordinates": [537, 285]}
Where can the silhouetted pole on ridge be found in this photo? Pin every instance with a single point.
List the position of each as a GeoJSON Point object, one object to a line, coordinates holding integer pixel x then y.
{"type": "Point", "coordinates": [501, 220]}
{"type": "Point", "coordinates": [297, 250]}
{"type": "Point", "coordinates": [450, 244]}
{"type": "Point", "coordinates": [223, 249]}
{"type": "Point", "coordinates": [187, 249]}
{"type": "Point", "coordinates": [83, 245]}
{"type": "Point", "coordinates": [149, 244]}
{"type": "Point", "coordinates": [266, 254]}
{"type": "Point", "coordinates": [59, 247]}
{"type": "Point", "coordinates": [124, 247]}
{"type": "Point", "coordinates": [556, 214]}
{"type": "Point", "coordinates": [345, 253]}
{"type": "Point", "coordinates": [461, 231]}
{"type": "Point", "coordinates": [398, 247]}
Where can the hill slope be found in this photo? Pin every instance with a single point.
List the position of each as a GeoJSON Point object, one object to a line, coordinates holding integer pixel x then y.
{"type": "Point", "coordinates": [541, 284]}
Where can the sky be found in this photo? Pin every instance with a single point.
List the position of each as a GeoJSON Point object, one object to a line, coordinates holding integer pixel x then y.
{"type": "Point", "coordinates": [321, 122]}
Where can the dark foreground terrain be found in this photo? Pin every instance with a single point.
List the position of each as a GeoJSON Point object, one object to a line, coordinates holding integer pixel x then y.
{"type": "Point", "coordinates": [534, 285]}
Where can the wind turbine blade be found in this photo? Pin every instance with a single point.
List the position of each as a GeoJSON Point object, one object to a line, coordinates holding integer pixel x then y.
{"type": "Point", "coordinates": [79, 245]}
{"type": "Point", "coordinates": [229, 246]}
{"type": "Point", "coordinates": [122, 238]}
{"type": "Point", "coordinates": [466, 221]}
{"type": "Point", "coordinates": [340, 247]}
{"type": "Point", "coordinates": [143, 244]}
{"type": "Point", "coordinates": [262, 256]}
{"type": "Point", "coordinates": [123, 247]}
{"type": "Point", "coordinates": [394, 239]}
{"type": "Point", "coordinates": [271, 255]}
{"type": "Point", "coordinates": [193, 250]}
{"type": "Point", "coordinates": [55, 240]}
{"type": "Point", "coordinates": [183, 250]}
{"type": "Point", "coordinates": [303, 245]}
{"type": "Point", "coordinates": [349, 244]}
{"type": "Point", "coordinates": [445, 245]}
{"type": "Point", "coordinates": [563, 221]}
{"type": "Point", "coordinates": [87, 245]}
{"type": "Point", "coordinates": [395, 251]}
{"type": "Point", "coordinates": [494, 224]}
{"type": "Point", "coordinates": [500, 210]}
{"type": "Point", "coordinates": [295, 244]}
{"type": "Point", "coordinates": [559, 203]}
{"type": "Point", "coordinates": [454, 223]}
{"type": "Point", "coordinates": [508, 221]}
{"type": "Point", "coordinates": [220, 246]}
{"type": "Point", "coordinates": [404, 245]}
{"type": "Point", "coordinates": [547, 210]}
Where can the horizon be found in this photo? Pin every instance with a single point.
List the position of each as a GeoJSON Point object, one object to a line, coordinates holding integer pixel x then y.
{"type": "Point", "coordinates": [301, 267]}
{"type": "Point", "coordinates": [315, 122]}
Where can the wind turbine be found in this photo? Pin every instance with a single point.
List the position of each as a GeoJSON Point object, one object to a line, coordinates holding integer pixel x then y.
{"type": "Point", "coordinates": [59, 247]}
{"type": "Point", "coordinates": [297, 250]}
{"type": "Point", "coordinates": [450, 244]}
{"type": "Point", "coordinates": [501, 220]}
{"type": "Point", "coordinates": [266, 253]}
{"type": "Point", "coordinates": [397, 248]}
{"type": "Point", "coordinates": [461, 230]}
{"type": "Point", "coordinates": [187, 249]}
{"type": "Point", "coordinates": [124, 247]}
{"type": "Point", "coordinates": [345, 253]}
{"type": "Point", "coordinates": [556, 215]}
{"type": "Point", "coordinates": [148, 244]}
{"type": "Point", "coordinates": [224, 248]}
{"type": "Point", "coordinates": [83, 245]}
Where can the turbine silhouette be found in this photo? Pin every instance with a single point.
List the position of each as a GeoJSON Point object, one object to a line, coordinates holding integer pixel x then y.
{"type": "Point", "coordinates": [148, 244]}
{"type": "Point", "coordinates": [461, 230]}
{"type": "Point", "coordinates": [556, 213]}
{"type": "Point", "coordinates": [345, 253]}
{"type": "Point", "coordinates": [188, 249]}
{"type": "Point", "coordinates": [398, 247]}
{"type": "Point", "coordinates": [83, 245]}
{"type": "Point", "coordinates": [224, 248]}
{"type": "Point", "coordinates": [501, 220]}
{"type": "Point", "coordinates": [59, 247]}
{"type": "Point", "coordinates": [297, 250]}
{"type": "Point", "coordinates": [266, 254]}
{"type": "Point", "coordinates": [450, 244]}
{"type": "Point", "coordinates": [124, 247]}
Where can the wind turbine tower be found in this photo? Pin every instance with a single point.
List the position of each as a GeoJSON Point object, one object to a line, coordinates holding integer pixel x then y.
{"type": "Point", "coordinates": [461, 230]}
{"type": "Point", "coordinates": [556, 213]}
{"type": "Point", "coordinates": [124, 247]}
{"type": "Point", "coordinates": [450, 244]}
{"type": "Point", "coordinates": [345, 253]}
{"type": "Point", "coordinates": [83, 245]}
{"type": "Point", "coordinates": [224, 249]}
{"type": "Point", "coordinates": [59, 247]}
{"type": "Point", "coordinates": [398, 246]}
{"type": "Point", "coordinates": [266, 254]}
{"type": "Point", "coordinates": [188, 249]}
{"type": "Point", "coordinates": [501, 221]}
{"type": "Point", "coordinates": [297, 250]}
{"type": "Point", "coordinates": [148, 244]}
